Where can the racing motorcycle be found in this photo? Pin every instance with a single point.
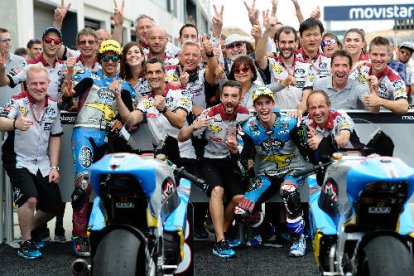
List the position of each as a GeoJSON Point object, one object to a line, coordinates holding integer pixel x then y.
{"type": "Point", "coordinates": [138, 222]}
{"type": "Point", "coordinates": [360, 220]}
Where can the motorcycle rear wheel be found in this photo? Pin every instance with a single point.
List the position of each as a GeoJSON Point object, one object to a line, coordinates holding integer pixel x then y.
{"type": "Point", "coordinates": [385, 256]}
{"type": "Point", "coordinates": [120, 252]}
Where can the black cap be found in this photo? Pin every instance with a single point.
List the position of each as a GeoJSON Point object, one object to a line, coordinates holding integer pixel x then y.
{"type": "Point", "coordinates": [51, 29]}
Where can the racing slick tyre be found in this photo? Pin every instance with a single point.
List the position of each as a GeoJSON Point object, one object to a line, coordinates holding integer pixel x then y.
{"type": "Point", "coordinates": [120, 252]}
{"type": "Point", "coordinates": [385, 256]}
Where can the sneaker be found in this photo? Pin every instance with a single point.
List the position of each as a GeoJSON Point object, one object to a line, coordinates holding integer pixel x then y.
{"type": "Point", "coordinates": [80, 246]}
{"type": "Point", "coordinates": [28, 250]}
{"type": "Point", "coordinates": [39, 244]}
{"type": "Point", "coordinates": [60, 235]}
{"type": "Point", "coordinates": [256, 239]}
{"type": "Point", "coordinates": [15, 243]}
{"type": "Point", "coordinates": [223, 250]}
{"type": "Point", "coordinates": [59, 238]}
{"type": "Point", "coordinates": [298, 247]}
{"type": "Point", "coordinates": [233, 243]}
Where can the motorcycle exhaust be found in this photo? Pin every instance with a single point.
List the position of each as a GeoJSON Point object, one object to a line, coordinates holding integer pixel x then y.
{"type": "Point", "coordinates": [80, 267]}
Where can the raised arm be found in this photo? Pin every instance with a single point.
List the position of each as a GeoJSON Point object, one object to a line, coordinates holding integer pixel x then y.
{"type": "Point", "coordinates": [4, 80]}
{"type": "Point", "coordinates": [118, 18]}
{"type": "Point", "coordinates": [299, 13]}
{"type": "Point", "coordinates": [212, 62]}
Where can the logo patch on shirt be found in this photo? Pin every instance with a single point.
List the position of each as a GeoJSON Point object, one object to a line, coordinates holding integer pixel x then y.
{"type": "Point", "coordinates": [271, 144]}
{"type": "Point", "coordinates": [215, 129]}
{"type": "Point", "coordinates": [48, 126]}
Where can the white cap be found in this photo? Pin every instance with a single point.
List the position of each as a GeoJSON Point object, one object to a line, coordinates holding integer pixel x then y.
{"type": "Point", "coordinates": [408, 45]}
{"type": "Point", "coordinates": [234, 38]}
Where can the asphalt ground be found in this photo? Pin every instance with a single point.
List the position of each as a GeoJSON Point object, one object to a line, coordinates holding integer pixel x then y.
{"type": "Point", "coordinates": [57, 258]}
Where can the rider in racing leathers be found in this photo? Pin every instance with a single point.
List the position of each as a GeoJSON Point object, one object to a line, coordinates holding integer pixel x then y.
{"type": "Point", "coordinates": [96, 112]}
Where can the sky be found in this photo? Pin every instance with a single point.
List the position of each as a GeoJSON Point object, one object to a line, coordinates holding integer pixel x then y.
{"type": "Point", "coordinates": [235, 13]}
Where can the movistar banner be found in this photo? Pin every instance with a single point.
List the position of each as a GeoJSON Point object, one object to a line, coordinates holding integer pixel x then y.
{"type": "Point", "coordinates": [376, 12]}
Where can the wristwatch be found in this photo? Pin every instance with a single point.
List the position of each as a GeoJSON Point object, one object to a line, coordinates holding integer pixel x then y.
{"type": "Point", "coordinates": [54, 168]}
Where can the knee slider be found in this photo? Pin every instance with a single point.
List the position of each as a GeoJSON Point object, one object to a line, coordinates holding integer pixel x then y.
{"type": "Point", "coordinates": [82, 191]}
{"type": "Point", "coordinates": [291, 198]}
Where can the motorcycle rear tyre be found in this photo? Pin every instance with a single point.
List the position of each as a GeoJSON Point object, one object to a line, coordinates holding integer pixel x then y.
{"type": "Point", "coordinates": [385, 256]}
{"type": "Point", "coordinates": [119, 253]}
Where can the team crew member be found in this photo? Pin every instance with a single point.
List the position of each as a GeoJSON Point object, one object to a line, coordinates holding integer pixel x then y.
{"type": "Point", "coordinates": [328, 129]}
{"type": "Point", "coordinates": [389, 87]}
{"type": "Point", "coordinates": [268, 139]}
{"type": "Point", "coordinates": [96, 112]}
{"type": "Point", "coordinates": [165, 110]}
{"type": "Point", "coordinates": [51, 39]}
{"type": "Point", "coordinates": [343, 92]}
{"type": "Point", "coordinates": [34, 48]}
{"type": "Point", "coordinates": [289, 75]}
{"type": "Point", "coordinates": [10, 64]}
{"type": "Point", "coordinates": [215, 125]}
{"type": "Point", "coordinates": [32, 118]}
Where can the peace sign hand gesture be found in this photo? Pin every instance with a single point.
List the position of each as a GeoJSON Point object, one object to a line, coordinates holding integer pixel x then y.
{"type": "Point", "coordinates": [253, 13]}
{"type": "Point", "coordinates": [231, 141]}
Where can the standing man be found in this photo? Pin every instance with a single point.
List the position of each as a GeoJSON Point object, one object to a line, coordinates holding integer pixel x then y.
{"type": "Point", "coordinates": [34, 48]}
{"type": "Point", "coordinates": [290, 76]}
{"type": "Point", "coordinates": [389, 87]}
{"type": "Point", "coordinates": [10, 64]}
{"type": "Point", "coordinates": [268, 139]}
{"type": "Point", "coordinates": [142, 26]}
{"type": "Point", "coordinates": [405, 52]}
{"type": "Point", "coordinates": [343, 92]}
{"type": "Point", "coordinates": [157, 43]}
{"type": "Point", "coordinates": [51, 41]}
{"type": "Point", "coordinates": [32, 118]}
{"type": "Point", "coordinates": [215, 125]}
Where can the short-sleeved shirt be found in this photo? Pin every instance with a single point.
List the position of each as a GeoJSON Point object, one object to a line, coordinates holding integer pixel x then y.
{"type": "Point", "coordinates": [391, 86]}
{"type": "Point", "coordinates": [29, 149]}
{"type": "Point", "coordinates": [159, 126]}
{"type": "Point", "coordinates": [216, 133]}
{"type": "Point", "coordinates": [195, 86]}
{"type": "Point", "coordinates": [289, 97]}
{"type": "Point", "coordinates": [350, 97]}
{"type": "Point", "coordinates": [14, 65]}
{"type": "Point", "coordinates": [320, 63]}
{"type": "Point", "coordinates": [337, 122]}
{"type": "Point", "coordinates": [57, 74]}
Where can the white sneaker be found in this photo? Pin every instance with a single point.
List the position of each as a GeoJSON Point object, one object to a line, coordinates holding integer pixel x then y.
{"type": "Point", "coordinates": [298, 248]}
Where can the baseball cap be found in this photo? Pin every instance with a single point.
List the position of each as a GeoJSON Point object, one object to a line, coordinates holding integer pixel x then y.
{"type": "Point", "coordinates": [51, 30]}
{"type": "Point", "coordinates": [234, 38]}
{"type": "Point", "coordinates": [408, 45]}
{"type": "Point", "coordinates": [263, 91]}
{"type": "Point", "coordinates": [110, 45]}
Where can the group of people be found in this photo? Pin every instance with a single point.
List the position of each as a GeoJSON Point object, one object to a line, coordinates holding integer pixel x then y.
{"type": "Point", "coordinates": [211, 105]}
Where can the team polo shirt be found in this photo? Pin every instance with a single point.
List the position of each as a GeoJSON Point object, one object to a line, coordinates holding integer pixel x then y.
{"type": "Point", "coordinates": [29, 149]}
{"type": "Point", "coordinates": [216, 133]}
{"type": "Point", "coordinates": [158, 124]}
{"type": "Point", "coordinates": [57, 73]}
{"type": "Point", "coordinates": [195, 85]}
{"type": "Point", "coordinates": [391, 86]}
{"type": "Point", "coordinates": [14, 65]}
{"type": "Point", "coordinates": [349, 97]}
{"type": "Point", "coordinates": [80, 66]}
{"type": "Point", "coordinates": [289, 97]}
{"type": "Point", "coordinates": [337, 121]}
{"type": "Point", "coordinates": [320, 63]}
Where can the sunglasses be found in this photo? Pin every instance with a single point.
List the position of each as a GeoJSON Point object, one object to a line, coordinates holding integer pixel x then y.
{"type": "Point", "coordinates": [237, 45]}
{"type": "Point", "coordinates": [107, 58]}
{"type": "Point", "coordinates": [244, 70]}
{"type": "Point", "coordinates": [329, 42]}
{"type": "Point", "coordinates": [49, 40]}
{"type": "Point", "coordinates": [83, 42]}
{"type": "Point", "coordinates": [5, 40]}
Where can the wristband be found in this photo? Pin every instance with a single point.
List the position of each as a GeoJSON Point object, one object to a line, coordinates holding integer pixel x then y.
{"type": "Point", "coordinates": [194, 127]}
